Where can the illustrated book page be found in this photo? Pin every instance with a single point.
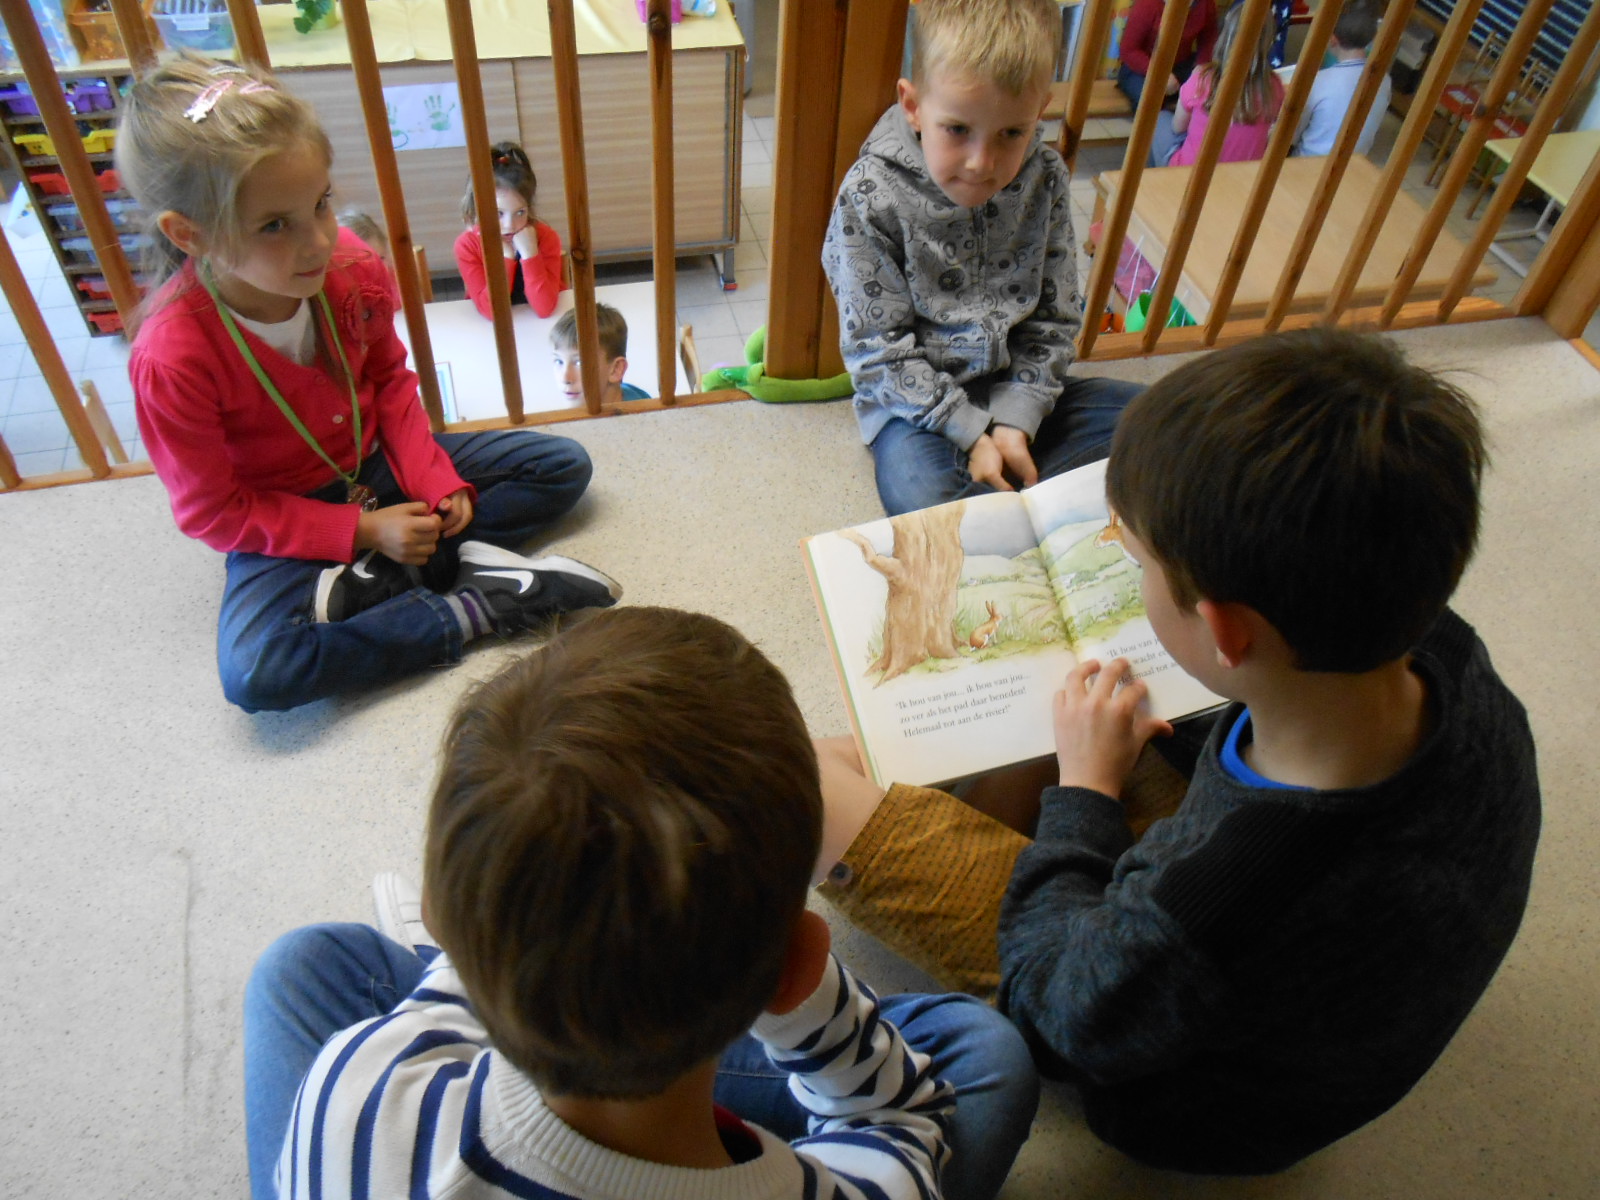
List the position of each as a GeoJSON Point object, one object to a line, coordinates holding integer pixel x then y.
{"type": "Point", "coordinates": [952, 628]}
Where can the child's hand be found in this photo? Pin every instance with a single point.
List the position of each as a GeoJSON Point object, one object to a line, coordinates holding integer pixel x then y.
{"type": "Point", "coordinates": [526, 241]}
{"type": "Point", "coordinates": [456, 511]}
{"type": "Point", "coordinates": [1101, 727]}
{"type": "Point", "coordinates": [1013, 446]}
{"type": "Point", "coordinates": [1173, 85]}
{"type": "Point", "coordinates": [407, 533]}
{"type": "Point", "coordinates": [986, 465]}
{"type": "Point", "coordinates": [1003, 450]}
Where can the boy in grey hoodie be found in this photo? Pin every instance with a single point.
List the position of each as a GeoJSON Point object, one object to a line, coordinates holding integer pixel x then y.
{"type": "Point", "coordinates": [950, 254]}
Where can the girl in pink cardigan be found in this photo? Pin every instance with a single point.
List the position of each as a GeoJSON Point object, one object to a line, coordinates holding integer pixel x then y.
{"type": "Point", "coordinates": [530, 251]}
{"type": "Point", "coordinates": [1179, 134]}
{"type": "Point", "coordinates": [274, 399]}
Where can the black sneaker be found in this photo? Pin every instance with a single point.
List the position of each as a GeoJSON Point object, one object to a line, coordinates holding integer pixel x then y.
{"type": "Point", "coordinates": [349, 588]}
{"type": "Point", "coordinates": [520, 592]}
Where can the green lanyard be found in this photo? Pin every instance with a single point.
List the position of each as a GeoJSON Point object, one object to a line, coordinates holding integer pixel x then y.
{"type": "Point", "coordinates": [353, 491]}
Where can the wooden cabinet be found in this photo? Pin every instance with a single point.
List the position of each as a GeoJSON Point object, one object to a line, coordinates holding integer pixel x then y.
{"type": "Point", "coordinates": [707, 95]}
{"type": "Point", "coordinates": [519, 100]}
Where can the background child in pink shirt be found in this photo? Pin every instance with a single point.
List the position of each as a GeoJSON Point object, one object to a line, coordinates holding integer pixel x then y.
{"type": "Point", "coordinates": [1179, 134]}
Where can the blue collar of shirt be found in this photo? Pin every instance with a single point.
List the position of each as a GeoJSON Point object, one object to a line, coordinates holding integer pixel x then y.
{"type": "Point", "coordinates": [1233, 762]}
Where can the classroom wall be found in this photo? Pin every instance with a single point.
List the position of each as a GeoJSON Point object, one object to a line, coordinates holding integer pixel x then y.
{"type": "Point", "coordinates": [1589, 117]}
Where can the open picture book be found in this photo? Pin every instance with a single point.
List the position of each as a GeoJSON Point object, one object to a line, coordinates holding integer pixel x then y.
{"type": "Point", "coordinates": [953, 627]}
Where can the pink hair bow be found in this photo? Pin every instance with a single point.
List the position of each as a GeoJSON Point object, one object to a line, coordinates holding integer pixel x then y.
{"type": "Point", "coordinates": [207, 100]}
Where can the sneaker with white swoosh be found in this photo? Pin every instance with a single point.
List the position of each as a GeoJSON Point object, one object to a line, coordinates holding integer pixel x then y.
{"type": "Point", "coordinates": [519, 592]}
{"type": "Point", "coordinates": [345, 589]}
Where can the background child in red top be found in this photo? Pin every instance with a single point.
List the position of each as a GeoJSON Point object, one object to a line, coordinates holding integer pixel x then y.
{"type": "Point", "coordinates": [275, 402]}
{"type": "Point", "coordinates": [1139, 40]}
{"type": "Point", "coordinates": [530, 249]}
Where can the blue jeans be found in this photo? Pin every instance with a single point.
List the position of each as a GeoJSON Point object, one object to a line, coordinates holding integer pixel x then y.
{"type": "Point", "coordinates": [314, 982]}
{"type": "Point", "coordinates": [918, 468]}
{"type": "Point", "coordinates": [272, 655]}
{"type": "Point", "coordinates": [1164, 142]}
{"type": "Point", "coordinates": [1131, 83]}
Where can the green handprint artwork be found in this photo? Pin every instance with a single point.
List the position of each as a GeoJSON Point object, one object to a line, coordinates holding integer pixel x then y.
{"type": "Point", "coordinates": [424, 116]}
{"type": "Point", "coordinates": [438, 114]}
{"type": "Point", "coordinates": [399, 137]}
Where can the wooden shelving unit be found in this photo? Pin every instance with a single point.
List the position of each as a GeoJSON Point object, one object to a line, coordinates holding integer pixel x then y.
{"type": "Point", "coordinates": [56, 209]}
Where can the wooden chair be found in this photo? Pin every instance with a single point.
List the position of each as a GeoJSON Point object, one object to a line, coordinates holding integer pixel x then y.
{"type": "Point", "coordinates": [424, 276]}
{"type": "Point", "coordinates": [100, 421]}
{"type": "Point", "coordinates": [1459, 100]}
{"type": "Point", "coordinates": [690, 356]}
{"type": "Point", "coordinates": [1513, 122]}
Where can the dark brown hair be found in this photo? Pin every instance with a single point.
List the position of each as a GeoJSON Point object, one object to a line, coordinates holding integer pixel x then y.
{"type": "Point", "coordinates": [1356, 25]}
{"type": "Point", "coordinates": [613, 331]}
{"type": "Point", "coordinates": [1317, 477]}
{"type": "Point", "coordinates": [621, 839]}
{"type": "Point", "coordinates": [512, 170]}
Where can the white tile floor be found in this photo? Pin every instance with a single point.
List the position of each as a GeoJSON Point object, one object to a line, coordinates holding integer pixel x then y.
{"type": "Point", "coordinates": [29, 419]}
{"type": "Point", "coordinates": [722, 320]}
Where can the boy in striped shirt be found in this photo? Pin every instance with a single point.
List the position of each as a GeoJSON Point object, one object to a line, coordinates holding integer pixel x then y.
{"type": "Point", "coordinates": [618, 854]}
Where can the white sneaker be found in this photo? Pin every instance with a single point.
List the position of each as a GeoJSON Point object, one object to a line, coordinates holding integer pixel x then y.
{"type": "Point", "coordinates": [398, 905]}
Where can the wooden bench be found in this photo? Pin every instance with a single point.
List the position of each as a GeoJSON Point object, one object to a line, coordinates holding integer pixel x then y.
{"type": "Point", "coordinates": [1105, 101]}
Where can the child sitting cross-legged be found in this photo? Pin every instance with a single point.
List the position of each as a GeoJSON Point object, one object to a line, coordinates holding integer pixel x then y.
{"type": "Point", "coordinates": [628, 997]}
{"type": "Point", "coordinates": [950, 255]}
{"type": "Point", "coordinates": [1282, 959]}
{"type": "Point", "coordinates": [274, 398]}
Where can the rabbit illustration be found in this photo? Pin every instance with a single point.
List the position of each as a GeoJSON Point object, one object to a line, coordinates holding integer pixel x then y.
{"type": "Point", "coordinates": [984, 634]}
{"type": "Point", "coordinates": [1111, 535]}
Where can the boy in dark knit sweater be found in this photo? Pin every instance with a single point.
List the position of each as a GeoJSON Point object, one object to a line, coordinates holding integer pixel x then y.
{"type": "Point", "coordinates": [1281, 960]}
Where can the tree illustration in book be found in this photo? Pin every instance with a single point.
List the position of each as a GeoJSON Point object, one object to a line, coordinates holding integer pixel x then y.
{"type": "Point", "coordinates": [923, 571]}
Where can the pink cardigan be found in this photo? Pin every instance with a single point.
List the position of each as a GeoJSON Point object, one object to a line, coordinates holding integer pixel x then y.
{"type": "Point", "coordinates": [541, 275]}
{"type": "Point", "coordinates": [236, 471]}
{"type": "Point", "coordinates": [1242, 143]}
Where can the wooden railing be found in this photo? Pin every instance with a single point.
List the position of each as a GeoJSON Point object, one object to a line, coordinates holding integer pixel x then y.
{"type": "Point", "coordinates": [251, 45]}
{"type": "Point", "coordinates": [836, 74]}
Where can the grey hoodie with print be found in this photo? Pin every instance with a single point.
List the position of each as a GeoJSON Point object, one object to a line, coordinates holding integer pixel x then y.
{"type": "Point", "coordinates": [950, 317]}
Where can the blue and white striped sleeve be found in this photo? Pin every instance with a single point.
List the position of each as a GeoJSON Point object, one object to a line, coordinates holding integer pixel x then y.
{"type": "Point", "coordinates": [877, 1125]}
{"type": "Point", "coordinates": [366, 1119]}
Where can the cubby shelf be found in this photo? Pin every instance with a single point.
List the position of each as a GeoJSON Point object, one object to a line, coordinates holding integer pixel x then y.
{"type": "Point", "coordinates": [53, 206]}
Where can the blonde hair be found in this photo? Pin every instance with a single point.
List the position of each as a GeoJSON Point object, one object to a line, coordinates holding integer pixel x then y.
{"type": "Point", "coordinates": [367, 229]}
{"type": "Point", "coordinates": [174, 161]}
{"type": "Point", "coordinates": [1255, 102]}
{"type": "Point", "coordinates": [613, 329]}
{"type": "Point", "coordinates": [1009, 43]}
